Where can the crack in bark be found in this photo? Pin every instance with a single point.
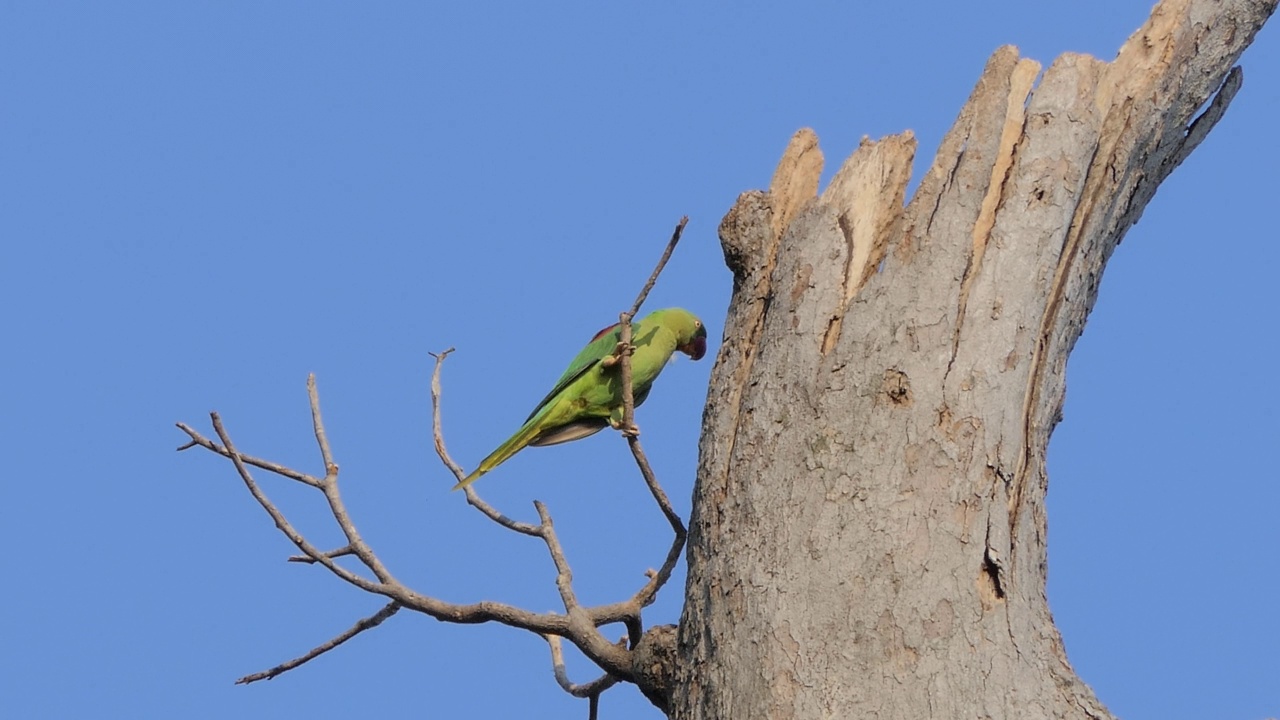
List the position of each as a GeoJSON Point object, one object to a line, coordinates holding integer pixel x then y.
{"type": "Point", "coordinates": [794, 184]}
{"type": "Point", "coordinates": [946, 183]}
{"type": "Point", "coordinates": [832, 334]}
{"type": "Point", "coordinates": [1036, 377]}
{"type": "Point", "coordinates": [992, 566]}
{"type": "Point", "coordinates": [1021, 82]}
{"type": "Point", "coordinates": [1199, 128]}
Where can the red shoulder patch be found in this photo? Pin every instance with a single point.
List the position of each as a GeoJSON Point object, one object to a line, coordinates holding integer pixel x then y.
{"type": "Point", "coordinates": [605, 331]}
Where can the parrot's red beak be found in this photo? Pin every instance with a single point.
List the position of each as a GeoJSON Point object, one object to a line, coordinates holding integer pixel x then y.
{"type": "Point", "coordinates": [697, 347]}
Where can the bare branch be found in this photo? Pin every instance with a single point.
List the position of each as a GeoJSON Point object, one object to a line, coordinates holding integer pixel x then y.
{"type": "Point", "coordinates": [564, 575]}
{"type": "Point", "coordinates": [624, 349]}
{"type": "Point", "coordinates": [329, 486]}
{"type": "Point", "coordinates": [202, 441]}
{"type": "Point", "coordinates": [579, 625]}
{"type": "Point", "coordinates": [659, 578]}
{"type": "Point", "coordinates": [326, 456]}
{"type": "Point", "coordinates": [584, 690]}
{"type": "Point", "coordinates": [630, 611]}
{"type": "Point", "coordinates": [437, 434]}
{"type": "Point", "coordinates": [344, 550]}
{"type": "Point", "coordinates": [285, 527]}
{"type": "Point", "coordinates": [357, 544]}
{"type": "Point", "coordinates": [647, 593]}
{"type": "Point", "coordinates": [654, 488]}
{"type": "Point", "coordinates": [331, 493]}
{"type": "Point", "coordinates": [363, 624]}
{"type": "Point", "coordinates": [662, 262]}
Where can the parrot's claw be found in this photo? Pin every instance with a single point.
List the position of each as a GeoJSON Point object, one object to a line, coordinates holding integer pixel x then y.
{"type": "Point", "coordinates": [616, 356]}
{"type": "Point", "coordinates": [632, 431]}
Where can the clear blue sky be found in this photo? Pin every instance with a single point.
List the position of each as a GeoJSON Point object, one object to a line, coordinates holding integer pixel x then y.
{"type": "Point", "coordinates": [200, 203]}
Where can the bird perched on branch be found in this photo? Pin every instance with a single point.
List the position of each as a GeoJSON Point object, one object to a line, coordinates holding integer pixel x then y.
{"type": "Point", "coordinates": [588, 396]}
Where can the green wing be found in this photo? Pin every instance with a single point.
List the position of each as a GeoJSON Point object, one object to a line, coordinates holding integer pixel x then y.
{"type": "Point", "coordinates": [600, 346]}
{"type": "Point", "coordinates": [558, 418]}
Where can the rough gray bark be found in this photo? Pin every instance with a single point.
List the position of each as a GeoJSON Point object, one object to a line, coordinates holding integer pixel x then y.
{"type": "Point", "coordinates": [868, 536]}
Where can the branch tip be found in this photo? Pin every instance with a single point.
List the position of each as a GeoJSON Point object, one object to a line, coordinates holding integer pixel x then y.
{"type": "Point", "coordinates": [662, 262]}
{"type": "Point", "coordinates": [361, 625]}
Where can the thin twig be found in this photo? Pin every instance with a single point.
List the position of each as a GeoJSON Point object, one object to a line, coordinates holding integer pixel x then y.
{"type": "Point", "coordinates": [326, 456]}
{"type": "Point", "coordinates": [358, 546]}
{"type": "Point", "coordinates": [283, 524]}
{"type": "Point", "coordinates": [662, 262]}
{"type": "Point", "coordinates": [583, 690]}
{"type": "Point", "coordinates": [564, 575]}
{"type": "Point", "coordinates": [331, 493]}
{"type": "Point", "coordinates": [437, 434]}
{"type": "Point", "coordinates": [655, 489]}
{"type": "Point", "coordinates": [623, 353]}
{"type": "Point", "coordinates": [202, 441]}
{"type": "Point", "coordinates": [363, 624]}
{"type": "Point", "coordinates": [584, 631]}
{"type": "Point", "coordinates": [344, 550]}
{"type": "Point", "coordinates": [649, 591]}
{"type": "Point", "coordinates": [475, 501]}
{"type": "Point", "coordinates": [645, 596]}
{"type": "Point", "coordinates": [635, 629]}
{"type": "Point", "coordinates": [579, 626]}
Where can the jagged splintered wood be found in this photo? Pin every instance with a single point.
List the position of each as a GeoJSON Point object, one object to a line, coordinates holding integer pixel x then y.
{"type": "Point", "coordinates": [868, 536]}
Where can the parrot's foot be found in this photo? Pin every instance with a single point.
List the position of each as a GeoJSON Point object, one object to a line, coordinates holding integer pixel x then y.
{"type": "Point", "coordinates": [632, 431]}
{"type": "Point", "coordinates": [616, 356]}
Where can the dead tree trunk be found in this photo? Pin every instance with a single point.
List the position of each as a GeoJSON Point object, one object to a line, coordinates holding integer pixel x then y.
{"type": "Point", "coordinates": [868, 537]}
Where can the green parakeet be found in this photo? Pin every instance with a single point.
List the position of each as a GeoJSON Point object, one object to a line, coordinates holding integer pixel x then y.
{"type": "Point", "coordinates": [588, 396]}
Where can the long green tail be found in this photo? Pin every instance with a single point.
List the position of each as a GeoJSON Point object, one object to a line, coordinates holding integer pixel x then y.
{"type": "Point", "coordinates": [515, 444]}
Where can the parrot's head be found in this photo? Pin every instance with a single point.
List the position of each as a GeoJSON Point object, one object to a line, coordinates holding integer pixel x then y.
{"type": "Point", "coordinates": [691, 334]}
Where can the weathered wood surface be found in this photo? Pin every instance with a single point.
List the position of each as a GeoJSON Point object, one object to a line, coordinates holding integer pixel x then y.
{"type": "Point", "coordinates": [868, 537]}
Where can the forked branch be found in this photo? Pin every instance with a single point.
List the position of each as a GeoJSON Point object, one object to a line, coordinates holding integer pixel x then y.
{"type": "Point", "coordinates": [580, 625]}
{"type": "Point", "coordinates": [577, 624]}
